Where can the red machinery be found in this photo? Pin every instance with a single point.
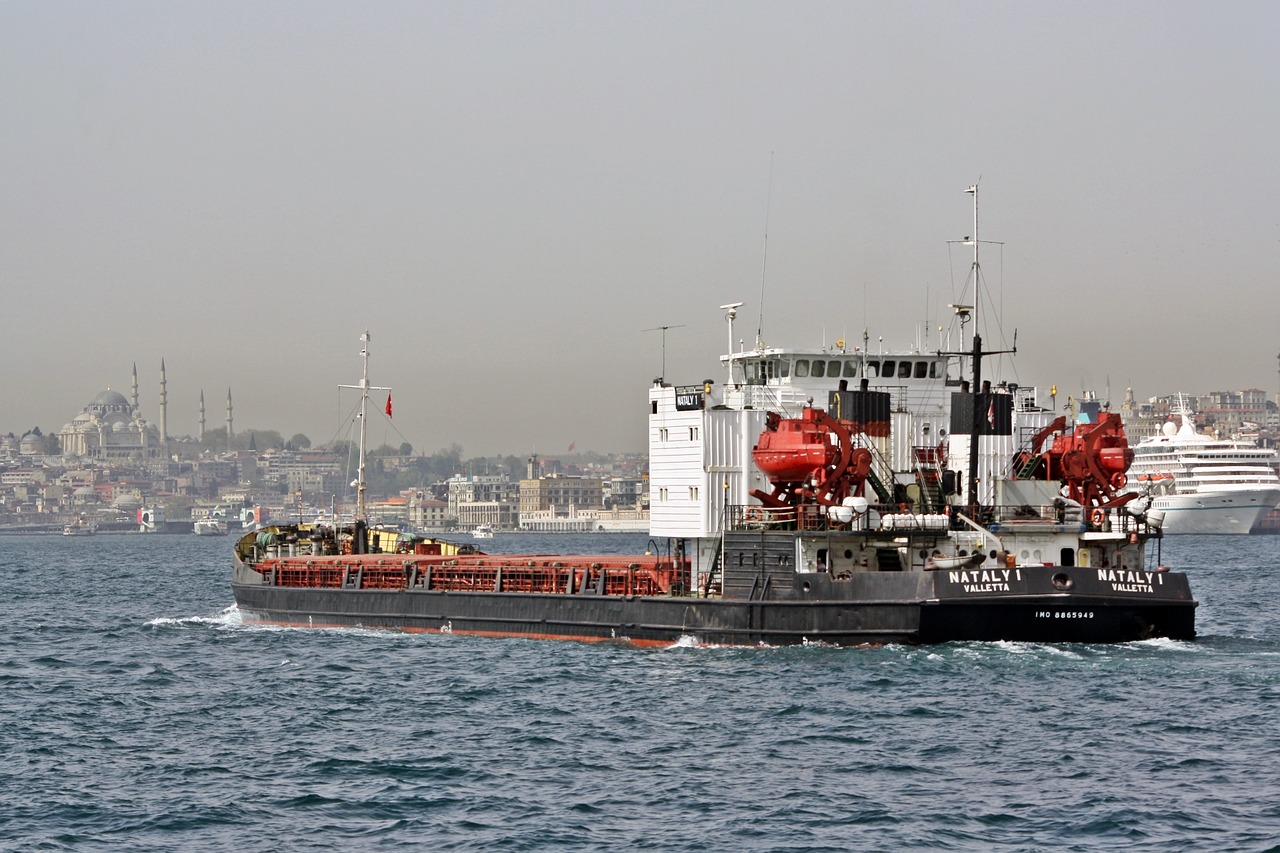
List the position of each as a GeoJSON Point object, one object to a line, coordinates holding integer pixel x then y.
{"type": "Point", "coordinates": [1091, 460]}
{"type": "Point", "coordinates": [809, 459]}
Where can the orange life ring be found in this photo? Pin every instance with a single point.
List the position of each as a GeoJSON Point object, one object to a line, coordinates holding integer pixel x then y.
{"type": "Point", "coordinates": [1119, 480]}
{"type": "Point", "coordinates": [1098, 517]}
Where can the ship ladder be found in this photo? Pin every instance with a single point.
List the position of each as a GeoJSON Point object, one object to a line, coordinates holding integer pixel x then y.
{"type": "Point", "coordinates": [1029, 467]}
{"type": "Point", "coordinates": [714, 583]}
{"type": "Point", "coordinates": [930, 482]}
{"type": "Point", "coordinates": [929, 479]}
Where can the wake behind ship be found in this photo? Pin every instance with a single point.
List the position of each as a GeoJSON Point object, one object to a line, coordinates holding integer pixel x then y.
{"type": "Point", "coordinates": [911, 505]}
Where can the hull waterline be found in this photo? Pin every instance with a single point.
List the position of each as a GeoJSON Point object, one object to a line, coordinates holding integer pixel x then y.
{"type": "Point", "coordinates": [912, 609]}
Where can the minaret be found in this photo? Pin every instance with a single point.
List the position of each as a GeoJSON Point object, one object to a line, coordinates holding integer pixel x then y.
{"type": "Point", "coordinates": [229, 422]}
{"type": "Point", "coordinates": [164, 409]}
{"type": "Point", "coordinates": [134, 401]}
{"type": "Point", "coordinates": [202, 415]}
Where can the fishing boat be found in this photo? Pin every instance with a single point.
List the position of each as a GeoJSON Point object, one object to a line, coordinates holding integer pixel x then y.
{"type": "Point", "coordinates": [820, 495]}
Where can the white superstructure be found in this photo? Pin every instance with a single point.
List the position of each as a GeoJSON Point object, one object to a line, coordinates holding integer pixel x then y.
{"type": "Point", "coordinates": [701, 436]}
{"type": "Point", "coordinates": [1204, 484]}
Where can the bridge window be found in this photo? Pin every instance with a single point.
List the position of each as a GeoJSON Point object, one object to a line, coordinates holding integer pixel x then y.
{"type": "Point", "coordinates": [873, 369]}
{"type": "Point", "coordinates": [819, 368]}
{"type": "Point", "coordinates": [904, 370]}
{"type": "Point", "coordinates": [851, 369]}
{"type": "Point", "coordinates": [922, 368]}
{"type": "Point", "coordinates": [887, 369]}
{"type": "Point", "coordinates": [802, 367]}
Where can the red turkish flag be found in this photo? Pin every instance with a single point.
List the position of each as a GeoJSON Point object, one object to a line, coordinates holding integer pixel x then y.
{"type": "Point", "coordinates": [388, 405]}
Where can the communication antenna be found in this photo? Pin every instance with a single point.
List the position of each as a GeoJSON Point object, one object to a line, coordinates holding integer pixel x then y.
{"type": "Point", "coordinates": [663, 376]}
{"type": "Point", "coordinates": [764, 266]}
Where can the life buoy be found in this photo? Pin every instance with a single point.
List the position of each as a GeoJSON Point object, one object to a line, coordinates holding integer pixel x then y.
{"type": "Point", "coordinates": [1098, 517]}
{"type": "Point", "coordinates": [754, 515]}
{"type": "Point", "coordinates": [1119, 480]}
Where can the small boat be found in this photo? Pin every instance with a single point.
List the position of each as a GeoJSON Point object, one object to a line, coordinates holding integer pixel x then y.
{"type": "Point", "coordinates": [80, 528]}
{"type": "Point", "coordinates": [482, 531]}
{"type": "Point", "coordinates": [209, 527]}
{"type": "Point", "coordinates": [820, 495]}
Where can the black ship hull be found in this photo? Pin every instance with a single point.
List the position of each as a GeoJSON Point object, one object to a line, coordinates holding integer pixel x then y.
{"type": "Point", "coordinates": [1035, 604]}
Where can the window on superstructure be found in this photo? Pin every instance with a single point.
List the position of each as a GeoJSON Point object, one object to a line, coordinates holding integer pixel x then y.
{"type": "Point", "coordinates": [933, 370]}
{"type": "Point", "coordinates": [802, 367]}
{"type": "Point", "coordinates": [873, 369]}
{"type": "Point", "coordinates": [904, 370]}
{"type": "Point", "coordinates": [851, 369]}
{"type": "Point", "coordinates": [819, 368]}
{"type": "Point", "coordinates": [922, 369]}
{"type": "Point", "coordinates": [888, 367]}
{"type": "Point", "coordinates": [833, 368]}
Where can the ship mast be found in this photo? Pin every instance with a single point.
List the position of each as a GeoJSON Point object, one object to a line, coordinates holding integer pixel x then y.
{"type": "Point", "coordinates": [970, 313]}
{"type": "Point", "coordinates": [972, 492]}
{"type": "Point", "coordinates": [364, 388]}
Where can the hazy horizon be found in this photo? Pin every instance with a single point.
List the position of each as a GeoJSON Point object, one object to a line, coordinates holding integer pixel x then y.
{"type": "Point", "coordinates": [510, 197]}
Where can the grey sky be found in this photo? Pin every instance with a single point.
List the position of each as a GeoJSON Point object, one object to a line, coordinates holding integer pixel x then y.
{"type": "Point", "coordinates": [508, 194]}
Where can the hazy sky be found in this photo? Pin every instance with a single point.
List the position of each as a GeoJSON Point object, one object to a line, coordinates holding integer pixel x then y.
{"type": "Point", "coordinates": [507, 195]}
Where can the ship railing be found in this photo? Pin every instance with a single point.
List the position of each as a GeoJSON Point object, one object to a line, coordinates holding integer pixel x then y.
{"type": "Point", "coordinates": [618, 576]}
{"type": "Point", "coordinates": [1071, 515]}
{"type": "Point", "coordinates": [905, 518]}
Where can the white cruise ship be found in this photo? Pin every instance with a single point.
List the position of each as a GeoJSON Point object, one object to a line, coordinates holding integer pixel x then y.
{"type": "Point", "coordinates": [1203, 484]}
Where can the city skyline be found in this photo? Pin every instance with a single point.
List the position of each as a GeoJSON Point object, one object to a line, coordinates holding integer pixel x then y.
{"type": "Point", "coordinates": [511, 199]}
{"type": "Point", "coordinates": [154, 415]}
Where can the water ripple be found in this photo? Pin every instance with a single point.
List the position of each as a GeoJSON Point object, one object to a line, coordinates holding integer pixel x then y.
{"type": "Point", "coordinates": [141, 714]}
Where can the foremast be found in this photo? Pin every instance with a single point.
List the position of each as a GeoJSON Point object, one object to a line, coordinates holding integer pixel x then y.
{"type": "Point", "coordinates": [362, 514]}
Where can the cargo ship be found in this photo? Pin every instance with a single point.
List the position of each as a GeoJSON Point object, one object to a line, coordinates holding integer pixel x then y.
{"type": "Point", "coordinates": [821, 495]}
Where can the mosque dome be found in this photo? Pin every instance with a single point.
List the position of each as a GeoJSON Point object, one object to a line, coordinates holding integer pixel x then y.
{"type": "Point", "coordinates": [109, 398]}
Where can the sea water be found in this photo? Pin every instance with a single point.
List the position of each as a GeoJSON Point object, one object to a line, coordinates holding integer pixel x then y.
{"type": "Point", "coordinates": [137, 713]}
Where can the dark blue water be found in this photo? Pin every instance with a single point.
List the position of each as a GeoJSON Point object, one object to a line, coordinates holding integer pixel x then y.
{"type": "Point", "coordinates": [137, 714]}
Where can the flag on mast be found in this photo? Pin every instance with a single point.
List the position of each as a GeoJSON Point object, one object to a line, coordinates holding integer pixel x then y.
{"type": "Point", "coordinates": [388, 404]}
